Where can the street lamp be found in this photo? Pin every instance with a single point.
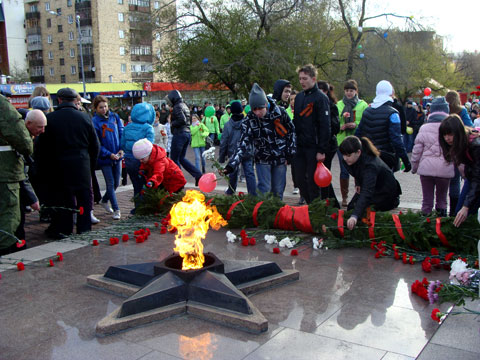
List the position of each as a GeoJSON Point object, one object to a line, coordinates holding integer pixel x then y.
{"type": "Point", "coordinates": [77, 20]}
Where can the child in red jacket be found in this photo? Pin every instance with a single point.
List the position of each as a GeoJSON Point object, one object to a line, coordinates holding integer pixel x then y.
{"type": "Point", "coordinates": [158, 168]}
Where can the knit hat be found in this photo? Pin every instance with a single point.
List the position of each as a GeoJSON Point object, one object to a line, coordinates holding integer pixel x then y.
{"type": "Point", "coordinates": [384, 94]}
{"type": "Point", "coordinates": [143, 113]}
{"type": "Point", "coordinates": [209, 111]}
{"type": "Point", "coordinates": [40, 103]}
{"type": "Point", "coordinates": [236, 107]}
{"type": "Point", "coordinates": [257, 99]}
{"type": "Point", "coordinates": [439, 104]}
{"type": "Point", "coordinates": [142, 148]}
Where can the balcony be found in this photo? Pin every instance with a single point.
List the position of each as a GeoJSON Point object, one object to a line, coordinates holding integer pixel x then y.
{"type": "Point", "coordinates": [34, 46]}
{"type": "Point", "coordinates": [142, 76]}
{"type": "Point", "coordinates": [89, 76]}
{"type": "Point", "coordinates": [85, 22]}
{"type": "Point", "coordinates": [34, 31]}
{"type": "Point", "coordinates": [35, 62]}
{"type": "Point", "coordinates": [32, 15]}
{"type": "Point", "coordinates": [146, 58]}
{"type": "Point", "coordinates": [142, 9]}
{"type": "Point", "coordinates": [37, 79]}
{"type": "Point", "coordinates": [83, 5]}
{"type": "Point", "coordinates": [87, 40]}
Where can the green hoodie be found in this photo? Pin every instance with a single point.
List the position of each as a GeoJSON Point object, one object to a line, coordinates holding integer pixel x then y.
{"type": "Point", "coordinates": [212, 124]}
{"type": "Point", "coordinates": [224, 119]}
{"type": "Point", "coordinates": [358, 110]}
{"type": "Point", "coordinates": [199, 133]}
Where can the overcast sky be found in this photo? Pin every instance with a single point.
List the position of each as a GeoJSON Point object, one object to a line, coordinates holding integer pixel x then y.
{"type": "Point", "coordinates": [458, 21]}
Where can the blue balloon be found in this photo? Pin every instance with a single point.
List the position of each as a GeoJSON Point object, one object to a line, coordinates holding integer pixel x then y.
{"type": "Point", "coordinates": [385, 35]}
{"type": "Point", "coordinates": [362, 55]}
{"type": "Point", "coordinates": [205, 60]}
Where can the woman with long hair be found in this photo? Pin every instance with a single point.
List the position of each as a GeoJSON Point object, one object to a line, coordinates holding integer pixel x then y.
{"type": "Point", "coordinates": [461, 145]}
{"type": "Point", "coordinates": [375, 183]}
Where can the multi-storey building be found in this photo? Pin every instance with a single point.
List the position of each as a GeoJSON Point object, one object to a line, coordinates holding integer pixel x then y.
{"type": "Point", "coordinates": [116, 46]}
{"type": "Point", "coordinates": [12, 37]}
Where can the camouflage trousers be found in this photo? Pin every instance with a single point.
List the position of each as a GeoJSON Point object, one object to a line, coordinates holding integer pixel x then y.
{"type": "Point", "coordinates": [9, 212]}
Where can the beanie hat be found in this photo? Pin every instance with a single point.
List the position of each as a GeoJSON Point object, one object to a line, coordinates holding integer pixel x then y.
{"type": "Point", "coordinates": [209, 111]}
{"type": "Point", "coordinates": [257, 99]}
{"type": "Point", "coordinates": [143, 113]}
{"type": "Point", "coordinates": [439, 104]}
{"type": "Point", "coordinates": [40, 103]}
{"type": "Point", "coordinates": [236, 107]}
{"type": "Point", "coordinates": [142, 148]}
{"type": "Point", "coordinates": [384, 94]}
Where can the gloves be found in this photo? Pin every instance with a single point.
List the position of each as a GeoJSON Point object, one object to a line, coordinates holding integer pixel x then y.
{"type": "Point", "coordinates": [227, 170]}
{"type": "Point", "coordinates": [408, 165]}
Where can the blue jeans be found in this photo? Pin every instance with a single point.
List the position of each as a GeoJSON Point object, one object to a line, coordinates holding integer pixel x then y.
{"type": "Point", "coordinates": [199, 158]}
{"type": "Point", "coordinates": [133, 166]}
{"type": "Point", "coordinates": [178, 150]}
{"type": "Point", "coordinates": [247, 166]}
{"type": "Point", "coordinates": [272, 179]}
{"type": "Point", "coordinates": [408, 142]}
{"type": "Point", "coordinates": [111, 174]}
{"type": "Point", "coordinates": [343, 170]}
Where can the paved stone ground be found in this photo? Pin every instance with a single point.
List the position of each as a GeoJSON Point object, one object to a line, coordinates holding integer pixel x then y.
{"type": "Point", "coordinates": [346, 305]}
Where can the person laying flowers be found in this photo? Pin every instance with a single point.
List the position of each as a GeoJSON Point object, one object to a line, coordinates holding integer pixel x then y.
{"type": "Point", "coordinates": [158, 170]}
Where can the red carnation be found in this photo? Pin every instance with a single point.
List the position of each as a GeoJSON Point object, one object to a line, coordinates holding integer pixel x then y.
{"type": "Point", "coordinates": [334, 216]}
{"type": "Point", "coordinates": [140, 239]}
{"type": "Point", "coordinates": [243, 234]}
{"type": "Point", "coordinates": [428, 220]}
{"type": "Point", "coordinates": [252, 241]}
{"type": "Point", "coordinates": [245, 241]}
{"type": "Point", "coordinates": [396, 255]}
{"type": "Point", "coordinates": [60, 256]}
{"type": "Point", "coordinates": [112, 241]}
{"type": "Point", "coordinates": [404, 258]}
{"type": "Point", "coordinates": [327, 202]}
{"type": "Point", "coordinates": [276, 250]}
{"type": "Point", "coordinates": [294, 252]}
{"type": "Point", "coordinates": [394, 246]}
{"type": "Point", "coordinates": [95, 242]}
{"type": "Point", "coordinates": [436, 315]}
{"type": "Point", "coordinates": [434, 251]}
{"type": "Point", "coordinates": [163, 230]}
{"type": "Point", "coordinates": [147, 230]}
{"type": "Point", "coordinates": [435, 261]}
{"type": "Point", "coordinates": [139, 232]}
{"type": "Point", "coordinates": [156, 224]}
{"type": "Point", "coordinates": [172, 230]}
{"type": "Point", "coordinates": [411, 260]}
{"type": "Point", "coordinates": [400, 213]}
{"type": "Point", "coordinates": [125, 237]}
{"type": "Point", "coordinates": [449, 256]}
{"type": "Point", "coordinates": [80, 210]}
{"type": "Point", "coordinates": [50, 263]}
{"type": "Point", "coordinates": [426, 266]}
{"type": "Point", "coordinates": [0, 276]}
{"type": "Point", "coordinates": [20, 266]}
{"type": "Point", "coordinates": [241, 194]}
{"type": "Point", "coordinates": [20, 243]}
{"type": "Point", "coordinates": [373, 245]}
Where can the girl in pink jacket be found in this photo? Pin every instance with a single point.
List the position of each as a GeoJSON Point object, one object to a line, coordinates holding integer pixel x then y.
{"type": "Point", "coordinates": [428, 161]}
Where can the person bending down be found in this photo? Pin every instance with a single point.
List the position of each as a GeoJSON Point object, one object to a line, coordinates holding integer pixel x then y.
{"type": "Point", "coordinates": [375, 183]}
{"type": "Point", "coordinates": [157, 169]}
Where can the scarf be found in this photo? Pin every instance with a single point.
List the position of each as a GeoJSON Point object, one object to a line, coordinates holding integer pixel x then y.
{"type": "Point", "coordinates": [349, 105]}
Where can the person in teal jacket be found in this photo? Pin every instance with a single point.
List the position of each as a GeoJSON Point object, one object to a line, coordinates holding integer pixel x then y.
{"type": "Point", "coordinates": [211, 121]}
{"type": "Point", "coordinates": [199, 132]}
{"type": "Point", "coordinates": [350, 110]}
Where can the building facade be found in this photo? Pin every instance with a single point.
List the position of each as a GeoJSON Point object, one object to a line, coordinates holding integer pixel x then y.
{"type": "Point", "coordinates": [13, 49]}
{"type": "Point", "coordinates": [116, 43]}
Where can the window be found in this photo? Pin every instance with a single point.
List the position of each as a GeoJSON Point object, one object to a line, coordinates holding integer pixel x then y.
{"type": "Point", "coordinates": [52, 71]}
{"type": "Point", "coordinates": [62, 61]}
{"type": "Point", "coordinates": [47, 6]}
{"type": "Point", "coordinates": [156, 4]}
{"type": "Point", "coordinates": [120, 2]}
{"type": "Point", "coordinates": [122, 50]}
{"type": "Point", "coordinates": [120, 17]}
{"type": "Point", "coordinates": [34, 8]}
{"type": "Point", "coordinates": [59, 11]}
{"type": "Point", "coordinates": [60, 28]}
{"type": "Point", "coordinates": [70, 35]}
{"type": "Point", "coordinates": [50, 55]}
{"type": "Point", "coordinates": [62, 79]}
{"type": "Point", "coordinates": [141, 50]}
{"type": "Point", "coordinates": [49, 39]}
{"type": "Point", "coordinates": [72, 52]}
{"type": "Point", "coordinates": [144, 3]}
{"type": "Point", "coordinates": [121, 34]}
{"type": "Point", "coordinates": [73, 69]}
{"type": "Point", "coordinates": [69, 3]}
{"type": "Point", "coordinates": [123, 68]}
{"type": "Point", "coordinates": [70, 19]}
{"type": "Point", "coordinates": [60, 45]}
{"type": "Point", "coordinates": [37, 71]}
{"type": "Point", "coordinates": [49, 23]}
{"type": "Point", "coordinates": [158, 36]}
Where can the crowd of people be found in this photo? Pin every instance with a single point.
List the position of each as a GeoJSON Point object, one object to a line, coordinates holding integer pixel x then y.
{"type": "Point", "coordinates": [48, 158]}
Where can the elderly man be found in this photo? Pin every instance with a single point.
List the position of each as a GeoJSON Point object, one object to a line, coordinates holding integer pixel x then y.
{"type": "Point", "coordinates": [65, 153]}
{"type": "Point", "coordinates": [14, 142]}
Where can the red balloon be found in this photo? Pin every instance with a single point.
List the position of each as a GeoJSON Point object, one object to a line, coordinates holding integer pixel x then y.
{"type": "Point", "coordinates": [207, 182]}
{"type": "Point", "coordinates": [322, 176]}
{"type": "Point", "coordinates": [427, 91]}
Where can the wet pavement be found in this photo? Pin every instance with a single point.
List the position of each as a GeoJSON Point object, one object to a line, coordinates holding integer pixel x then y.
{"type": "Point", "coordinates": [346, 305]}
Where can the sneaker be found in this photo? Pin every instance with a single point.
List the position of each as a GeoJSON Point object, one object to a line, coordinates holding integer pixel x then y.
{"type": "Point", "coordinates": [107, 207]}
{"type": "Point", "coordinates": [295, 191]}
{"type": "Point", "coordinates": [93, 219]}
{"type": "Point", "coordinates": [116, 215]}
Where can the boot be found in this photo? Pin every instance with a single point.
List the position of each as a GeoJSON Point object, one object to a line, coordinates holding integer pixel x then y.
{"type": "Point", "coordinates": [344, 191]}
{"type": "Point", "coordinates": [453, 206]}
{"type": "Point", "coordinates": [441, 212]}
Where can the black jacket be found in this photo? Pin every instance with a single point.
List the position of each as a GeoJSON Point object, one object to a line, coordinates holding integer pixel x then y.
{"type": "Point", "coordinates": [401, 112]}
{"type": "Point", "coordinates": [180, 113]}
{"type": "Point", "coordinates": [312, 120]}
{"type": "Point", "coordinates": [472, 172]}
{"type": "Point", "coordinates": [68, 148]}
{"type": "Point", "coordinates": [377, 183]}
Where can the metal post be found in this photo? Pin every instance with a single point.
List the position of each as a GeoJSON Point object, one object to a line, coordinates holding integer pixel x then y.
{"type": "Point", "coordinates": [81, 55]}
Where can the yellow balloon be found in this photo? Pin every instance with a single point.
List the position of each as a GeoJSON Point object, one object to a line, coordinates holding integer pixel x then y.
{"type": "Point", "coordinates": [409, 130]}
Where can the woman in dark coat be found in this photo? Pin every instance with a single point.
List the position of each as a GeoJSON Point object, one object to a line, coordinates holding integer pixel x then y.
{"type": "Point", "coordinates": [375, 183]}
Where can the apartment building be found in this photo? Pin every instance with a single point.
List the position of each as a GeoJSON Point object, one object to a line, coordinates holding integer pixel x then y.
{"type": "Point", "coordinates": [117, 45]}
{"type": "Point", "coordinates": [12, 37]}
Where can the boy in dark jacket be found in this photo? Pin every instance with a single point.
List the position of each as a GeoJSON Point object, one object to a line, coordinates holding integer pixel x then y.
{"type": "Point", "coordinates": [230, 138]}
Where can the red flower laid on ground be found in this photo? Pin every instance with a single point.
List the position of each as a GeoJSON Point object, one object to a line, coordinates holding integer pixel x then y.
{"type": "Point", "coordinates": [59, 256]}
{"type": "Point", "coordinates": [139, 232]}
{"type": "Point", "coordinates": [0, 276]}
{"type": "Point", "coordinates": [125, 237]}
{"type": "Point", "coordinates": [404, 258]}
{"type": "Point", "coordinates": [411, 260]}
{"type": "Point", "coordinates": [156, 224]}
{"type": "Point", "coordinates": [396, 255]}
{"type": "Point", "coordinates": [435, 261]}
{"type": "Point", "coordinates": [243, 234]}
{"type": "Point", "coordinates": [245, 241]}
{"type": "Point", "coordinates": [139, 239]}
{"type": "Point", "coordinates": [276, 250]}
{"type": "Point", "coordinates": [294, 252]}
{"type": "Point", "coordinates": [172, 230]}
{"type": "Point", "coordinates": [449, 256]}
{"type": "Point", "coordinates": [95, 242]}
{"type": "Point", "coordinates": [434, 251]}
{"type": "Point", "coordinates": [80, 210]}
{"type": "Point", "coordinates": [420, 289]}
{"type": "Point", "coordinates": [163, 230]}
{"type": "Point", "coordinates": [426, 265]}
{"type": "Point", "coordinates": [50, 263]}
{"type": "Point", "coordinates": [20, 266]}
{"type": "Point", "coordinates": [373, 245]}
{"type": "Point", "coordinates": [436, 315]}
{"type": "Point", "coordinates": [20, 243]}
{"type": "Point", "coordinates": [252, 241]}
{"type": "Point", "coordinates": [112, 241]}
{"type": "Point", "coordinates": [147, 230]}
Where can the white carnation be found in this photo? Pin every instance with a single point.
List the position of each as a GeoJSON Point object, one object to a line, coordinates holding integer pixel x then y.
{"type": "Point", "coordinates": [231, 237]}
{"type": "Point", "coordinates": [286, 242]}
{"type": "Point", "coordinates": [271, 239]}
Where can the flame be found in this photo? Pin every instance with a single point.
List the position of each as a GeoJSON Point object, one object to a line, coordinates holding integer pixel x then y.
{"type": "Point", "coordinates": [202, 347]}
{"type": "Point", "coordinates": [192, 217]}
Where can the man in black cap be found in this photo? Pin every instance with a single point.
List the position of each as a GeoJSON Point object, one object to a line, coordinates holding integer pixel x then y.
{"type": "Point", "coordinates": [65, 153]}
